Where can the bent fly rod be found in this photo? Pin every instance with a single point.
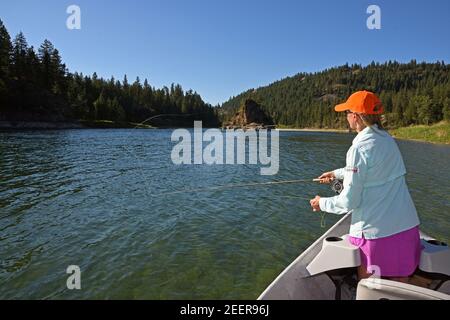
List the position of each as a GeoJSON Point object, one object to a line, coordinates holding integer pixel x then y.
{"type": "Point", "coordinates": [336, 186]}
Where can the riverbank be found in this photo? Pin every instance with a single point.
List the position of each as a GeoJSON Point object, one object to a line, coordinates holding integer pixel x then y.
{"type": "Point", "coordinates": [436, 133]}
{"type": "Point", "coordinates": [39, 125]}
{"type": "Point", "coordinates": [81, 124]}
{"type": "Point", "coordinates": [313, 130]}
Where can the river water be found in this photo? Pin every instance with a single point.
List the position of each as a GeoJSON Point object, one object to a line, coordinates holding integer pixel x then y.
{"type": "Point", "coordinates": [100, 199]}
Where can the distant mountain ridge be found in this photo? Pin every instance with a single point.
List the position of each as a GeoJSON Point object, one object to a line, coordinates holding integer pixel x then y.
{"type": "Point", "coordinates": [412, 93]}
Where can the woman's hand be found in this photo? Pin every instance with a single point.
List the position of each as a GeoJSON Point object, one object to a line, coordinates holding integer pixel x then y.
{"type": "Point", "coordinates": [315, 203]}
{"type": "Point", "coordinates": [327, 177]}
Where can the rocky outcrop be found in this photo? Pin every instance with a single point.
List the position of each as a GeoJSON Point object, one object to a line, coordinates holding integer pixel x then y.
{"type": "Point", "coordinates": [250, 116]}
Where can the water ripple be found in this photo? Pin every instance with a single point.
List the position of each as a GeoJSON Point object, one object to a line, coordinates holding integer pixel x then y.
{"type": "Point", "coordinates": [94, 198]}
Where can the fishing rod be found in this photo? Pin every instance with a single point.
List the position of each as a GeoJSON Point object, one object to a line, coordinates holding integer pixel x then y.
{"type": "Point", "coordinates": [336, 186]}
{"type": "Point", "coordinates": [169, 115]}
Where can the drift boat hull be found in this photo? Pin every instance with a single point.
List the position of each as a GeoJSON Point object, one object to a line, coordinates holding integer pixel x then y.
{"type": "Point", "coordinates": [297, 283]}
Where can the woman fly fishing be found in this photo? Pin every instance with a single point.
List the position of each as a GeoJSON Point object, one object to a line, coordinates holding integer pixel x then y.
{"type": "Point", "coordinates": [385, 224]}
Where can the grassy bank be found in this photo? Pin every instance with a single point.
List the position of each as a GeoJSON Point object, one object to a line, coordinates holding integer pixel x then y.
{"type": "Point", "coordinates": [313, 130]}
{"type": "Point", "coordinates": [283, 127]}
{"type": "Point", "coordinates": [436, 133]}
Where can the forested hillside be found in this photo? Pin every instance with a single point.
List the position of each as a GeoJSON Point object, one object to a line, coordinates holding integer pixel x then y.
{"type": "Point", "coordinates": [412, 93]}
{"type": "Point", "coordinates": [37, 86]}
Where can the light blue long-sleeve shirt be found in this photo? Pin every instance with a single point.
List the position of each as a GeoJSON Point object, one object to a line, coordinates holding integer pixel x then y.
{"type": "Point", "coordinates": [375, 189]}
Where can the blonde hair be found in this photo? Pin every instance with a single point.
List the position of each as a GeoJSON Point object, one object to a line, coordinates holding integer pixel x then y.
{"type": "Point", "coordinates": [371, 119]}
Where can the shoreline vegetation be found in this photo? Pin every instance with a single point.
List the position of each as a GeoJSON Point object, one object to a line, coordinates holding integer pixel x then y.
{"type": "Point", "coordinates": [81, 124]}
{"type": "Point", "coordinates": [438, 133]}
{"type": "Point", "coordinates": [37, 87]}
{"type": "Point", "coordinates": [289, 128]}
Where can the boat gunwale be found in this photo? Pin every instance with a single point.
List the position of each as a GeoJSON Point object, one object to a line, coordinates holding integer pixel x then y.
{"type": "Point", "coordinates": [345, 220]}
{"type": "Point", "coordinates": [305, 253]}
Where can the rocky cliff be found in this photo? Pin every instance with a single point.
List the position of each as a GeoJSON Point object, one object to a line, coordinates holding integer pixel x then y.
{"type": "Point", "coordinates": [250, 116]}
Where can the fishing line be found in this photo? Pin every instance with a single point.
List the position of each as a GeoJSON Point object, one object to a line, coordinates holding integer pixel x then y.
{"type": "Point", "coordinates": [322, 215]}
{"type": "Point", "coordinates": [322, 220]}
{"type": "Point", "coordinates": [169, 115]}
{"type": "Point", "coordinates": [235, 185]}
{"type": "Point", "coordinates": [293, 197]}
{"type": "Point", "coordinates": [336, 186]}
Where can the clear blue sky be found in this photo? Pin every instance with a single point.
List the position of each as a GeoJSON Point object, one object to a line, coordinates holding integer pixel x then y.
{"type": "Point", "coordinates": [221, 48]}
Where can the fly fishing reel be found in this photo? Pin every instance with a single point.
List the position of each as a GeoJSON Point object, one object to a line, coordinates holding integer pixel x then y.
{"type": "Point", "coordinates": [337, 185]}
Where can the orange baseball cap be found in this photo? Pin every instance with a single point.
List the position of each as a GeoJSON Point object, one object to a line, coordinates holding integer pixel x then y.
{"type": "Point", "coordinates": [362, 102]}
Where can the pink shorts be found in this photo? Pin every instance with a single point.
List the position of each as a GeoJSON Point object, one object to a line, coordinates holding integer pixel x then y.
{"type": "Point", "coordinates": [393, 256]}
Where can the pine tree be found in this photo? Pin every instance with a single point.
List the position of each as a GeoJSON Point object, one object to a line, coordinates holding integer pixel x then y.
{"type": "Point", "coordinates": [446, 109]}
{"type": "Point", "coordinates": [424, 107]}
{"type": "Point", "coordinates": [19, 57]}
{"type": "Point", "coordinates": [45, 57]}
{"type": "Point", "coordinates": [59, 73]}
{"type": "Point", "coordinates": [5, 62]}
{"type": "Point", "coordinates": [5, 52]}
{"type": "Point", "coordinates": [101, 111]}
{"type": "Point", "coordinates": [116, 110]}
